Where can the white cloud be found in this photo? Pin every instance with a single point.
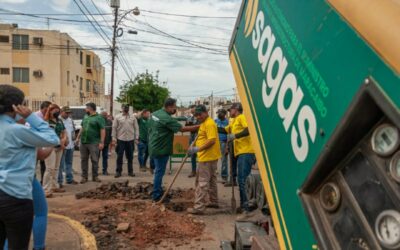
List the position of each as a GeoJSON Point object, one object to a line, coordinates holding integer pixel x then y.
{"type": "Point", "coordinates": [60, 5]}
{"type": "Point", "coordinates": [190, 71]}
{"type": "Point", "coordinates": [13, 1]}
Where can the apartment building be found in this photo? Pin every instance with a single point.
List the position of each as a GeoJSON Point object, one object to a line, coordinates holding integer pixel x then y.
{"type": "Point", "coordinates": [50, 65]}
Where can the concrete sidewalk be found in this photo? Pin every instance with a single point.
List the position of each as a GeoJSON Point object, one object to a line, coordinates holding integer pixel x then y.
{"type": "Point", "coordinates": [66, 234]}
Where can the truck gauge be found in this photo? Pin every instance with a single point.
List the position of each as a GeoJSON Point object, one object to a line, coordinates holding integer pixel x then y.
{"type": "Point", "coordinates": [387, 229]}
{"type": "Point", "coordinates": [394, 167]}
{"type": "Point", "coordinates": [330, 197]}
{"type": "Point", "coordinates": [385, 140]}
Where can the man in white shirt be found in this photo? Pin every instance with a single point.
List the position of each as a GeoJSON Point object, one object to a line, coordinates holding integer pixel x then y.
{"type": "Point", "coordinates": [125, 133]}
{"type": "Point", "coordinates": [68, 155]}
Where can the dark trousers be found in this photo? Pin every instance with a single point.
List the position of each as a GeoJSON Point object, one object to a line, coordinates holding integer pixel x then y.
{"type": "Point", "coordinates": [193, 158]}
{"type": "Point", "coordinates": [16, 218]}
{"type": "Point", "coordinates": [104, 155]}
{"type": "Point", "coordinates": [143, 155]}
{"type": "Point", "coordinates": [160, 164]}
{"type": "Point", "coordinates": [233, 161]}
{"type": "Point", "coordinates": [42, 171]}
{"type": "Point", "coordinates": [128, 147]}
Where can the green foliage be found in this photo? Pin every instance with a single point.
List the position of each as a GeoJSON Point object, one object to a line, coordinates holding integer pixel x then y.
{"type": "Point", "coordinates": [144, 92]}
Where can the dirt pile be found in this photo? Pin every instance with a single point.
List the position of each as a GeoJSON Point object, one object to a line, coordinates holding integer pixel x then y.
{"type": "Point", "coordinates": [119, 190]}
{"type": "Point", "coordinates": [149, 224]}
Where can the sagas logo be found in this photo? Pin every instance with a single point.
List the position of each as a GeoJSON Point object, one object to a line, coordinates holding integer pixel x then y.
{"type": "Point", "coordinates": [251, 14]}
{"type": "Point", "coordinates": [281, 86]}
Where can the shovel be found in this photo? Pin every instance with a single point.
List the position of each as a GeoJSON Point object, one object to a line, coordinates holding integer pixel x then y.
{"type": "Point", "coordinates": [177, 173]}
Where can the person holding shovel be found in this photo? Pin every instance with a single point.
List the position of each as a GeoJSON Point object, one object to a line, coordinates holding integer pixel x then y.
{"type": "Point", "coordinates": [244, 152]}
{"type": "Point", "coordinates": [162, 127]}
{"type": "Point", "coordinates": [208, 153]}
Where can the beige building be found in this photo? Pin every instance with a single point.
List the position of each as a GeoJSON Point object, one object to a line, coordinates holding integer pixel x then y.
{"type": "Point", "coordinates": [50, 65]}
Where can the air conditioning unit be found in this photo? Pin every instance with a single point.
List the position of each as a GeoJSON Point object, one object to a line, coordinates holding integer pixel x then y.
{"type": "Point", "coordinates": [38, 41]}
{"type": "Point", "coordinates": [37, 73]}
{"type": "Point", "coordinates": [89, 70]}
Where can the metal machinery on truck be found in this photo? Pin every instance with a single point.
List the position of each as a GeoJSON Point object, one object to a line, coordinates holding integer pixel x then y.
{"type": "Point", "coordinates": [319, 82]}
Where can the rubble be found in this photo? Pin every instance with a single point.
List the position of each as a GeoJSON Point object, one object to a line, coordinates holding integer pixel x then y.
{"type": "Point", "coordinates": [140, 224]}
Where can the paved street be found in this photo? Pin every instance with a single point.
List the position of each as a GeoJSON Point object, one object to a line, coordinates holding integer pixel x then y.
{"type": "Point", "coordinates": [219, 226]}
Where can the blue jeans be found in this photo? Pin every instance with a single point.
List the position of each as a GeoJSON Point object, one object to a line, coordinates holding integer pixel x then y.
{"type": "Point", "coordinates": [39, 227]}
{"type": "Point", "coordinates": [224, 161]}
{"type": "Point", "coordinates": [160, 163]}
{"type": "Point", "coordinates": [104, 155]}
{"type": "Point", "coordinates": [143, 154]}
{"type": "Point", "coordinates": [66, 166]}
{"type": "Point", "coordinates": [244, 162]}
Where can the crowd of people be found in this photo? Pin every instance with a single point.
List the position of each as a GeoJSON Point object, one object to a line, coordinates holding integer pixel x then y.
{"type": "Point", "coordinates": [47, 139]}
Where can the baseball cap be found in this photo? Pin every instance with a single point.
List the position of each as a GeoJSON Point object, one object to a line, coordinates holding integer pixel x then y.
{"type": "Point", "coordinates": [237, 106]}
{"type": "Point", "coordinates": [222, 111]}
{"type": "Point", "coordinates": [200, 109]}
{"type": "Point", "coordinates": [66, 109]}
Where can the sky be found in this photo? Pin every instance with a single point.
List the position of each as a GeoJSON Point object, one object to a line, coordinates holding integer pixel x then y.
{"type": "Point", "coordinates": [191, 53]}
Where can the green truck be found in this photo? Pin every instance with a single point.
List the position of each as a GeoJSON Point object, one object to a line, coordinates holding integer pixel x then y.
{"type": "Point", "coordinates": [319, 82]}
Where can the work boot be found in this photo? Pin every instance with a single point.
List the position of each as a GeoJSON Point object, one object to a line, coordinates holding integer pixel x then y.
{"type": "Point", "coordinates": [246, 215]}
{"type": "Point", "coordinates": [131, 174]}
{"type": "Point", "coordinates": [105, 173]}
{"type": "Point", "coordinates": [84, 180]}
{"type": "Point", "coordinates": [143, 169]}
{"type": "Point", "coordinates": [151, 170]}
{"type": "Point", "coordinates": [117, 175]}
{"type": "Point", "coordinates": [58, 190]}
{"type": "Point", "coordinates": [194, 211]}
{"type": "Point", "coordinates": [96, 179]}
{"type": "Point", "coordinates": [192, 174]}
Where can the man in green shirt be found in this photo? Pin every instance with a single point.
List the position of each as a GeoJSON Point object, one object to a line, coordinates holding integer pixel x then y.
{"type": "Point", "coordinates": [162, 128]}
{"type": "Point", "coordinates": [92, 137]}
{"type": "Point", "coordinates": [143, 146]}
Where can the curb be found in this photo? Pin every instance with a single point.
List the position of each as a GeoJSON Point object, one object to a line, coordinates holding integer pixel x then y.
{"type": "Point", "coordinates": [88, 239]}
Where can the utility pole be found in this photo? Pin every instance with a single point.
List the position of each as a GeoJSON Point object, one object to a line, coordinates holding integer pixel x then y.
{"type": "Point", "coordinates": [114, 4]}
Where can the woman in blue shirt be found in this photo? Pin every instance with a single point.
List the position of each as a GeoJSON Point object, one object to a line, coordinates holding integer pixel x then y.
{"type": "Point", "coordinates": [17, 165]}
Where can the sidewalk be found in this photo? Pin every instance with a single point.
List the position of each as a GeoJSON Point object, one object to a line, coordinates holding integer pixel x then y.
{"type": "Point", "coordinates": [66, 234]}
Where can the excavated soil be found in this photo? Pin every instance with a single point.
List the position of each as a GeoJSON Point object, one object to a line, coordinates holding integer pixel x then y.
{"type": "Point", "coordinates": [137, 223]}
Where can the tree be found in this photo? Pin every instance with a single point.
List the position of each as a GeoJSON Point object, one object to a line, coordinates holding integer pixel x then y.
{"type": "Point", "coordinates": [144, 92]}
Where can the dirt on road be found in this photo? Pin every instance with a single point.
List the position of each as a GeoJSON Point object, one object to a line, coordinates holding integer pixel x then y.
{"type": "Point", "coordinates": [135, 222]}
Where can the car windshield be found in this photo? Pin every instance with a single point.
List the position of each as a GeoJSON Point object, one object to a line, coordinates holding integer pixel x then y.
{"type": "Point", "coordinates": [78, 114]}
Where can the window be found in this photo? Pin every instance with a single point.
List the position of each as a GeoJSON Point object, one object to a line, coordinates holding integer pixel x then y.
{"type": "Point", "coordinates": [20, 42]}
{"type": "Point", "coordinates": [81, 57]}
{"type": "Point", "coordinates": [67, 77]}
{"type": "Point", "coordinates": [4, 71]}
{"type": "Point", "coordinates": [4, 39]}
{"type": "Point", "coordinates": [81, 84]}
{"type": "Point", "coordinates": [87, 85]}
{"type": "Point", "coordinates": [88, 61]}
{"type": "Point", "coordinates": [77, 78]}
{"type": "Point", "coordinates": [77, 51]}
{"type": "Point", "coordinates": [67, 47]}
{"type": "Point", "coordinates": [20, 74]}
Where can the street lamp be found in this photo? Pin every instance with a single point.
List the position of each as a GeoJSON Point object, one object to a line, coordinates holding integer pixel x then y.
{"type": "Point", "coordinates": [117, 33]}
{"type": "Point", "coordinates": [132, 32]}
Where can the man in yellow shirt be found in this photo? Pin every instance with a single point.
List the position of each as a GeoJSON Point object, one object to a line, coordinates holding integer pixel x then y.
{"type": "Point", "coordinates": [208, 152]}
{"type": "Point", "coordinates": [244, 151]}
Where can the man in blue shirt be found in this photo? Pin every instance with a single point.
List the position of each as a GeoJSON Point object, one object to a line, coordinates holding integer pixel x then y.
{"type": "Point", "coordinates": [222, 122]}
{"type": "Point", "coordinates": [17, 165]}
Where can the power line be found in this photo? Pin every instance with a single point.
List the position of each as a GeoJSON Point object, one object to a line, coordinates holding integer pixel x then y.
{"type": "Point", "coordinates": [190, 16]}
{"type": "Point", "coordinates": [45, 17]}
{"type": "Point", "coordinates": [180, 39]}
{"type": "Point", "coordinates": [54, 14]}
{"type": "Point", "coordinates": [189, 23]}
